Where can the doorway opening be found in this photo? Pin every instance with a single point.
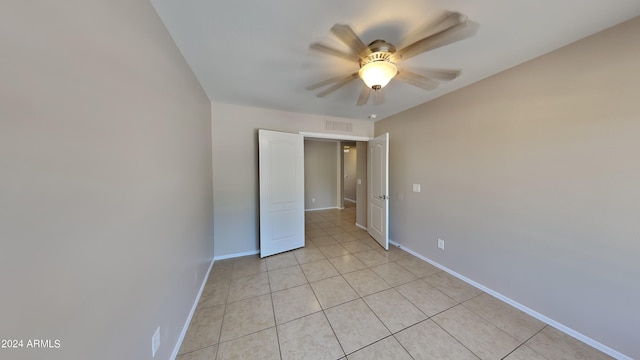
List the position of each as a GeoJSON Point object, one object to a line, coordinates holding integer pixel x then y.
{"type": "Point", "coordinates": [349, 173]}
{"type": "Point", "coordinates": [336, 176]}
{"type": "Point", "coordinates": [287, 185]}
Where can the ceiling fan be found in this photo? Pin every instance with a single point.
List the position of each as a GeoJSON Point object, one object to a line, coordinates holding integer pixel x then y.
{"type": "Point", "coordinates": [378, 61]}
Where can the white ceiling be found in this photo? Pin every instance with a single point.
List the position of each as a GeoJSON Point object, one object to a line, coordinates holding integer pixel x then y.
{"type": "Point", "coordinates": [256, 52]}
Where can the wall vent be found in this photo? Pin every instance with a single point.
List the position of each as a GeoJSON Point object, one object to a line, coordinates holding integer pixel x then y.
{"type": "Point", "coordinates": [338, 126]}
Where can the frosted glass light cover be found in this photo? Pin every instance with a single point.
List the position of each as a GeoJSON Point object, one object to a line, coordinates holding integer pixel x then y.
{"type": "Point", "coordinates": [378, 73]}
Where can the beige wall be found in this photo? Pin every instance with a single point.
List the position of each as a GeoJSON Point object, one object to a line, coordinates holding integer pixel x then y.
{"type": "Point", "coordinates": [532, 178]}
{"type": "Point", "coordinates": [350, 173]}
{"type": "Point", "coordinates": [105, 192]}
{"type": "Point", "coordinates": [321, 174]}
{"type": "Point", "coordinates": [235, 159]}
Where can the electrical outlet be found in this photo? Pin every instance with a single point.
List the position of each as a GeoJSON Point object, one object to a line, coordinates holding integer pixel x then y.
{"type": "Point", "coordinates": [416, 187]}
{"type": "Point", "coordinates": [155, 342]}
{"type": "Point", "coordinates": [313, 200]}
{"type": "Point", "coordinates": [440, 244]}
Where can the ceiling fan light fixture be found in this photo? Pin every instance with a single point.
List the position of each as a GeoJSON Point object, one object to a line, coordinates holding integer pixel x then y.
{"type": "Point", "coordinates": [377, 61]}
{"type": "Point", "coordinates": [377, 74]}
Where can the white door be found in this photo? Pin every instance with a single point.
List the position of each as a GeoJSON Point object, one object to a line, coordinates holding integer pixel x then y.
{"type": "Point", "coordinates": [378, 178]}
{"type": "Point", "coordinates": [281, 191]}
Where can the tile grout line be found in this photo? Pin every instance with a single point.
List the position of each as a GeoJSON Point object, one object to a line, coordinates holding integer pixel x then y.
{"type": "Point", "coordinates": [494, 325]}
{"type": "Point", "coordinates": [456, 339]}
{"type": "Point", "coordinates": [273, 310]}
{"type": "Point", "coordinates": [524, 344]}
{"type": "Point", "coordinates": [402, 345]}
{"type": "Point", "coordinates": [225, 307]}
{"type": "Point", "coordinates": [238, 300]}
{"type": "Point", "coordinates": [391, 334]}
{"type": "Point", "coordinates": [327, 319]}
{"type": "Point", "coordinates": [217, 343]}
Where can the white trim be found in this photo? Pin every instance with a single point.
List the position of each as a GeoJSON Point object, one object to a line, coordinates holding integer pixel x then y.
{"type": "Point", "coordinates": [565, 329]}
{"type": "Point", "coordinates": [333, 136]}
{"type": "Point", "coordinates": [350, 200]}
{"type": "Point", "coordinates": [176, 349]}
{"type": "Point", "coordinates": [230, 256]}
{"type": "Point", "coordinates": [339, 175]}
{"type": "Point", "coordinates": [365, 228]}
{"type": "Point", "coordinates": [324, 208]}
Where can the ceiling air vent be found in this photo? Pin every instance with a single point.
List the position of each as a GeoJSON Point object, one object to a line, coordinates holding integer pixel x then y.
{"type": "Point", "coordinates": [338, 126]}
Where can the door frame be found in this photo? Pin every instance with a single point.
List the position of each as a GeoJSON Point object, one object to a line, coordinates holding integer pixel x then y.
{"type": "Point", "coordinates": [334, 136]}
{"type": "Point", "coordinates": [339, 137]}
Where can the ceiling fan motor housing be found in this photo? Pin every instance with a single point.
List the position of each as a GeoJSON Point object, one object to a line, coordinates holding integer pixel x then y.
{"type": "Point", "coordinates": [379, 50]}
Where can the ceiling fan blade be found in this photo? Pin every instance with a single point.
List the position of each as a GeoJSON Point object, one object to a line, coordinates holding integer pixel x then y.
{"type": "Point", "coordinates": [378, 98]}
{"type": "Point", "coordinates": [417, 80]}
{"type": "Point", "coordinates": [442, 74]}
{"type": "Point", "coordinates": [444, 21]}
{"type": "Point", "coordinates": [346, 34]}
{"type": "Point", "coordinates": [329, 81]}
{"type": "Point", "coordinates": [335, 52]}
{"type": "Point", "coordinates": [338, 85]}
{"type": "Point", "coordinates": [364, 95]}
{"type": "Point", "coordinates": [452, 34]}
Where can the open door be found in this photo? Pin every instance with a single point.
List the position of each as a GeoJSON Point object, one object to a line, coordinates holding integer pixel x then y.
{"type": "Point", "coordinates": [378, 212]}
{"type": "Point", "coordinates": [281, 163]}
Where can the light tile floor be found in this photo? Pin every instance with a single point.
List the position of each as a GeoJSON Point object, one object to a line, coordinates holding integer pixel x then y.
{"type": "Point", "coordinates": [344, 297]}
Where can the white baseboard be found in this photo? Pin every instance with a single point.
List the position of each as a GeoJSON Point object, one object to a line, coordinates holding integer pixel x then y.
{"type": "Point", "coordinates": [364, 228]}
{"type": "Point", "coordinates": [230, 256]}
{"type": "Point", "coordinates": [565, 329]}
{"type": "Point", "coordinates": [405, 249]}
{"type": "Point", "coordinates": [176, 349]}
{"type": "Point", "coordinates": [350, 200]}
